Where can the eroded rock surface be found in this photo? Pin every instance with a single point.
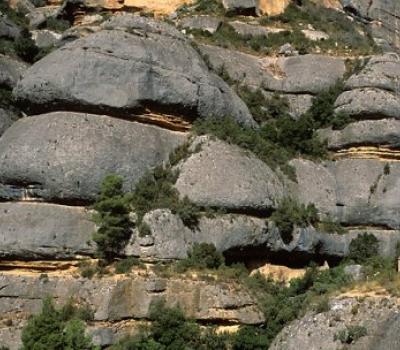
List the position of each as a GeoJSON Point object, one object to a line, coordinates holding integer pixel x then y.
{"type": "Point", "coordinates": [64, 156]}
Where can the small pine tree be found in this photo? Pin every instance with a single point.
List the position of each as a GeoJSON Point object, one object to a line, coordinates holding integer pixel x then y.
{"type": "Point", "coordinates": [112, 217]}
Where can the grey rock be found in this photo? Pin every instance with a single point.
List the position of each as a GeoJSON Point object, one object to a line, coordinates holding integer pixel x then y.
{"type": "Point", "coordinates": [7, 118]}
{"type": "Point", "coordinates": [11, 70]}
{"type": "Point", "coordinates": [39, 230]}
{"type": "Point", "coordinates": [241, 7]}
{"type": "Point", "coordinates": [351, 191]}
{"type": "Point", "coordinates": [369, 103]}
{"type": "Point", "coordinates": [364, 133]}
{"type": "Point", "coordinates": [142, 26]}
{"type": "Point", "coordinates": [171, 239]}
{"type": "Point", "coordinates": [64, 156]}
{"type": "Point", "coordinates": [120, 72]}
{"type": "Point", "coordinates": [381, 17]}
{"type": "Point", "coordinates": [249, 29]}
{"type": "Point", "coordinates": [288, 50]}
{"type": "Point", "coordinates": [379, 315]}
{"type": "Point", "coordinates": [8, 29]}
{"type": "Point", "coordinates": [298, 103]}
{"type": "Point", "coordinates": [315, 35]}
{"type": "Point", "coordinates": [305, 74]}
{"type": "Point", "coordinates": [45, 38]}
{"type": "Point", "coordinates": [39, 15]}
{"type": "Point", "coordinates": [218, 176]}
{"type": "Point", "coordinates": [355, 272]}
{"type": "Point", "coordinates": [206, 23]}
{"type": "Point", "coordinates": [316, 185]}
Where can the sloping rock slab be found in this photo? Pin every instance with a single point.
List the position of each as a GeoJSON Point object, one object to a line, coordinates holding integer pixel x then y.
{"type": "Point", "coordinates": [64, 156]}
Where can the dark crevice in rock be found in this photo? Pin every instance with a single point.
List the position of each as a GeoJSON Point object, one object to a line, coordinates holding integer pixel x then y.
{"type": "Point", "coordinates": [261, 255]}
{"type": "Point", "coordinates": [172, 117]}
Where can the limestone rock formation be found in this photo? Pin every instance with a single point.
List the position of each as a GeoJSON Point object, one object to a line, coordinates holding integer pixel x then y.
{"type": "Point", "coordinates": [379, 316]}
{"type": "Point", "coordinates": [115, 299]}
{"type": "Point", "coordinates": [124, 72]}
{"type": "Point", "coordinates": [218, 176]}
{"type": "Point", "coordinates": [206, 23]}
{"type": "Point", "coordinates": [11, 70]}
{"type": "Point", "coordinates": [7, 118]}
{"type": "Point", "coordinates": [39, 230]}
{"type": "Point", "coordinates": [64, 156]}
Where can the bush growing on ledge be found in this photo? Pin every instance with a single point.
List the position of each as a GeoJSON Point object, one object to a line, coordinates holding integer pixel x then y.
{"type": "Point", "coordinates": [112, 218]}
{"type": "Point", "coordinates": [351, 334]}
{"type": "Point", "coordinates": [363, 248]}
{"type": "Point", "coordinates": [51, 329]}
{"type": "Point", "coordinates": [290, 214]}
{"type": "Point", "coordinates": [202, 256]}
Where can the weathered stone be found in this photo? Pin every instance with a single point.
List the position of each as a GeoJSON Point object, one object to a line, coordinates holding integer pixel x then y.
{"type": "Point", "coordinates": [381, 16]}
{"type": "Point", "coordinates": [11, 70]}
{"type": "Point", "coordinates": [305, 74]}
{"type": "Point", "coordinates": [206, 23]}
{"type": "Point", "coordinates": [45, 38]}
{"type": "Point", "coordinates": [64, 156]}
{"type": "Point", "coordinates": [39, 15]}
{"type": "Point", "coordinates": [249, 29]}
{"type": "Point", "coordinates": [316, 185]}
{"type": "Point", "coordinates": [364, 133]}
{"type": "Point", "coordinates": [315, 35]}
{"type": "Point", "coordinates": [273, 7]}
{"type": "Point", "coordinates": [7, 118]}
{"type": "Point", "coordinates": [369, 103]}
{"type": "Point", "coordinates": [8, 29]}
{"type": "Point", "coordinates": [288, 50]}
{"type": "Point", "coordinates": [115, 71]}
{"type": "Point", "coordinates": [241, 7]}
{"type": "Point", "coordinates": [379, 315]}
{"type": "Point", "coordinates": [38, 230]}
{"type": "Point", "coordinates": [218, 176]}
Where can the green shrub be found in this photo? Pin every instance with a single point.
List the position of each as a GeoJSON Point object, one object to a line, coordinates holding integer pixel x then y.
{"type": "Point", "coordinates": [329, 225]}
{"type": "Point", "coordinates": [49, 330]}
{"type": "Point", "coordinates": [155, 191]}
{"type": "Point", "coordinates": [170, 330]}
{"type": "Point", "coordinates": [202, 256]}
{"type": "Point", "coordinates": [351, 334]}
{"type": "Point", "coordinates": [57, 24]}
{"type": "Point", "coordinates": [25, 47]}
{"type": "Point", "coordinates": [250, 338]}
{"type": "Point", "coordinates": [290, 214]}
{"type": "Point", "coordinates": [209, 6]}
{"type": "Point", "coordinates": [363, 248]}
{"type": "Point", "coordinates": [125, 265]}
{"type": "Point", "coordinates": [111, 217]}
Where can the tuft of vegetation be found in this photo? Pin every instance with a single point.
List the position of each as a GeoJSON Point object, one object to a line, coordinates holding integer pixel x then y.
{"type": "Point", "coordinates": [57, 24]}
{"type": "Point", "coordinates": [25, 47]}
{"type": "Point", "coordinates": [328, 225]}
{"type": "Point", "coordinates": [202, 256]}
{"type": "Point", "coordinates": [126, 265]}
{"type": "Point", "coordinates": [351, 334]}
{"type": "Point", "coordinates": [112, 217]}
{"type": "Point", "coordinates": [291, 214]}
{"type": "Point", "coordinates": [155, 191]}
{"type": "Point", "coordinates": [363, 248]}
{"type": "Point", "coordinates": [55, 329]}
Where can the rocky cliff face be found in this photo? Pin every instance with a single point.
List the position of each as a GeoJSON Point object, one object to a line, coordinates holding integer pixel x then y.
{"type": "Point", "coordinates": [118, 93]}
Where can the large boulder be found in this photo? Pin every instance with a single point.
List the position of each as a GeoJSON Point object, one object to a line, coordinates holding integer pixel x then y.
{"type": "Point", "coordinates": [352, 191]}
{"type": "Point", "coordinates": [374, 92]}
{"type": "Point", "coordinates": [205, 23]}
{"type": "Point", "coordinates": [39, 230]}
{"type": "Point", "coordinates": [64, 156]}
{"type": "Point", "coordinates": [219, 175]}
{"type": "Point", "coordinates": [146, 68]}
